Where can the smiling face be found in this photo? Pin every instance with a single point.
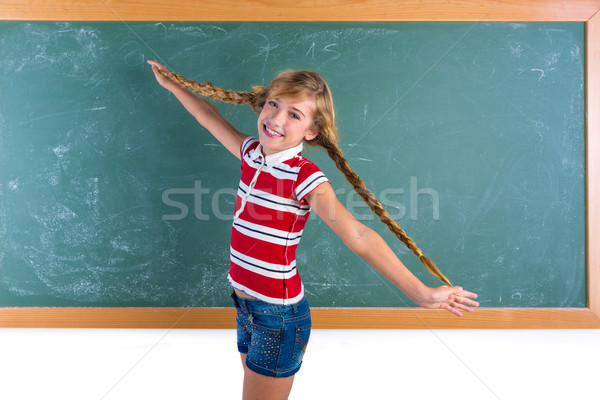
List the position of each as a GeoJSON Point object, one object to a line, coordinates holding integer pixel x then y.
{"type": "Point", "coordinates": [284, 123]}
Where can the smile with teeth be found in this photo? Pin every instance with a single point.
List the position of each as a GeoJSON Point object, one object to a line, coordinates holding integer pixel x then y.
{"type": "Point", "coordinates": [271, 132]}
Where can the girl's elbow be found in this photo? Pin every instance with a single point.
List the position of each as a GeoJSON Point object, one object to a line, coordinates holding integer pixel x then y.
{"type": "Point", "coordinates": [359, 241]}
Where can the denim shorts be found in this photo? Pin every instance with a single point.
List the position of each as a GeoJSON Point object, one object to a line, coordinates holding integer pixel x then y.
{"type": "Point", "coordinates": [274, 337]}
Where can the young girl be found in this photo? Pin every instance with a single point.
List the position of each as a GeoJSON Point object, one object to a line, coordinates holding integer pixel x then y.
{"type": "Point", "coordinates": [277, 191]}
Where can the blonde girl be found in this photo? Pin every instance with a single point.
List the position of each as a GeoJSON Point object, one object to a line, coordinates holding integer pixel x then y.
{"type": "Point", "coordinates": [278, 189]}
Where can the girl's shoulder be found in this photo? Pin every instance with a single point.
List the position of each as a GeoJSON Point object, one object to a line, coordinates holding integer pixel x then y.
{"type": "Point", "coordinates": [302, 162]}
{"type": "Point", "coordinates": [308, 177]}
{"type": "Point", "coordinates": [249, 144]}
{"type": "Point", "coordinates": [305, 168]}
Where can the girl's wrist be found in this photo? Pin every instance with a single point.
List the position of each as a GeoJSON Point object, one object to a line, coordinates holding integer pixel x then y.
{"type": "Point", "coordinates": [171, 86]}
{"type": "Point", "coordinates": [423, 295]}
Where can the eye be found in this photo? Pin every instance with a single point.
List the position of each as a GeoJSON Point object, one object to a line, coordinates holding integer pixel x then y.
{"type": "Point", "coordinates": [294, 115]}
{"type": "Point", "coordinates": [272, 103]}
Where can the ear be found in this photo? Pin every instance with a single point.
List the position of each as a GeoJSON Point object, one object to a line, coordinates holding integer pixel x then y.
{"type": "Point", "coordinates": [311, 134]}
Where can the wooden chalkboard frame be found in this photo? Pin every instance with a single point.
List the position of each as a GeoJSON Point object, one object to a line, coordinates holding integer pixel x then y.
{"type": "Point", "coordinates": [586, 11]}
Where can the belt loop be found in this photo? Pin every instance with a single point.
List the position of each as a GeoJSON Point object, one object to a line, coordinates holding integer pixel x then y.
{"type": "Point", "coordinates": [244, 305]}
{"type": "Point", "coordinates": [235, 300]}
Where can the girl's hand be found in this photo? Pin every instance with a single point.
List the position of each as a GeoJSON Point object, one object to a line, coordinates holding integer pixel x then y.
{"type": "Point", "coordinates": [452, 299]}
{"type": "Point", "coordinates": [161, 78]}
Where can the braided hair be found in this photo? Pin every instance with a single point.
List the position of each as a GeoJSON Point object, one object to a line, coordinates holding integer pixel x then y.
{"type": "Point", "coordinates": [308, 84]}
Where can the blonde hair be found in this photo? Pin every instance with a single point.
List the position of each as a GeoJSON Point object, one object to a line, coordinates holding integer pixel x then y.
{"type": "Point", "coordinates": [308, 84]}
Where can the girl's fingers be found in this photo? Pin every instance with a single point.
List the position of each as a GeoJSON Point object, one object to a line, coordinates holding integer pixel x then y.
{"type": "Point", "coordinates": [160, 76]}
{"type": "Point", "coordinates": [463, 301]}
{"type": "Point", "coordinates": [462, 306]}
{"type": "Point", "coordinates": [454, 300]}
{"type": "Point", "coordinates": [463, 297]}
{"type": "Point", "coordinates": [470, 302]}
{"type": "Point", "coordinates": [156, 63]}
{"type": "Point", "coordinates": [453, 310]}
{"type": "Point", "coordinates": [156, 66]}
{"type": "Point", "coordinates": [464, 293]}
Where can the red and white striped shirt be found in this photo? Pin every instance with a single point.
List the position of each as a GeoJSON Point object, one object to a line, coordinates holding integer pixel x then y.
{"type": "Point", "coordinates": [270, 214]}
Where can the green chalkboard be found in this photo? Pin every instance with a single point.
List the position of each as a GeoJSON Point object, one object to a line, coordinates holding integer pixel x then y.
{"type": "Point", "coordinates": [472, 135]}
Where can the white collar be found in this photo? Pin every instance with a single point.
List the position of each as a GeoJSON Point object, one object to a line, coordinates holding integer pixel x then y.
{"type": "Point", "coordinates": [275, 159]}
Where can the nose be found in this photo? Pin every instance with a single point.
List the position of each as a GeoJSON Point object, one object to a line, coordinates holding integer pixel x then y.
{"type": "Point", "coordinates": [277, 117]}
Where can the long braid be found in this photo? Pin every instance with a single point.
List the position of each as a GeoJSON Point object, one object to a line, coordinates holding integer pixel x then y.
{"type": "Point", "coordinates": [342, 164]}
{"type": "Point", "coordinates": [207, 89]}
{"type": "Point", "coordinates": [256, 99]}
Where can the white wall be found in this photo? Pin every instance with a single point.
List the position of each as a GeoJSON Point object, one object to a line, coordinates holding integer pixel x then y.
{"type": "Point", "coordinates": [397, 364]}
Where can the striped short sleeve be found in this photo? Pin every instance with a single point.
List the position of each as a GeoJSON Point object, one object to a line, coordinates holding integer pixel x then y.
{"type": "Point", "coordinates": [309, 178]}
{"type": "Point", "coordinates": [248, 144]}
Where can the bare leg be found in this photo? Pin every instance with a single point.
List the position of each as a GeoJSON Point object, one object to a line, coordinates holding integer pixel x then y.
{"type": "Point", "coordinates": [260, 387]}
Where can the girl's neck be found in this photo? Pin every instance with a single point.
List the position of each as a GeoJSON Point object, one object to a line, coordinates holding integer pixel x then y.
{"type": "Point", "coordinates": [267, 153]}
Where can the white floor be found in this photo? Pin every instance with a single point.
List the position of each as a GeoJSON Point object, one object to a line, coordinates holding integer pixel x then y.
{"type": "Point", "coordinates": [397, 364]}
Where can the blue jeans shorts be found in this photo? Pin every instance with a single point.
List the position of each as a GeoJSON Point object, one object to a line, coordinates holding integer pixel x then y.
{"type": "Point", "coordinates": [273, 337]}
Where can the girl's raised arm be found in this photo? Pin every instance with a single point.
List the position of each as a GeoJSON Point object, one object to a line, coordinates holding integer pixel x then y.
{"type": "Point", "coordinates": [205, 113]}
{"type": "Point", "coordinates": [370, 246]}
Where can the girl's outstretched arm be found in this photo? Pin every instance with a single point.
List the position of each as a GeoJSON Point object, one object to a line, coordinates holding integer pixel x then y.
{"type": "Point", "coordinates": [369, 245]}
{"type": "Point", "coordinates": [205, 113]}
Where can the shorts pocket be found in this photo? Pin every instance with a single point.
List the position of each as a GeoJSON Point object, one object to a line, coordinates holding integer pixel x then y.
{"type": "Point", "coordinates": [265, 346]}
{"type": "Point", "coordinates": [300, 343]}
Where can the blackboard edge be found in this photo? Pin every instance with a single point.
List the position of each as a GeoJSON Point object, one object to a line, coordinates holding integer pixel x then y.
{"type": "Point", "coordinates": [592, 90]}
{"type": "Point", "coordinates": [323, 318]}
{"type": "Point", "coordinates": [339, 11]}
